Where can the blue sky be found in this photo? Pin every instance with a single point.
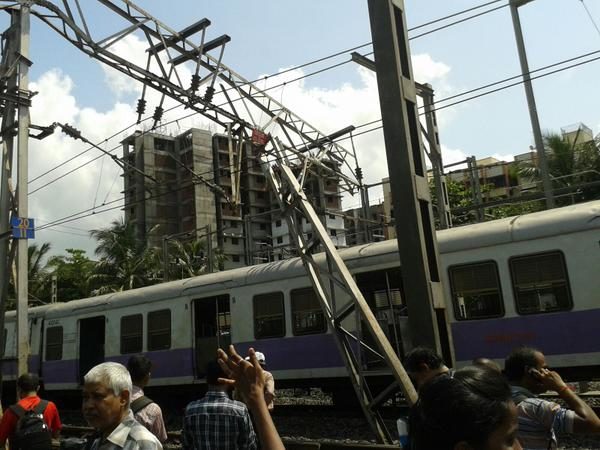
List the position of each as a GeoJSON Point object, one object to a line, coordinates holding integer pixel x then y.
{"type": "Point", "coordinates": [273, 35]}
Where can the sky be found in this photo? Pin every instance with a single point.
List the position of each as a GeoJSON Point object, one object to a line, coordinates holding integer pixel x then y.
{"type": "Point", "coordinates": [275, 35]}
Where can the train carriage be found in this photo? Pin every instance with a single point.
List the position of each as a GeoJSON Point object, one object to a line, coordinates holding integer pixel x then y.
{"type": "Point", "coordinates": [523, 280]}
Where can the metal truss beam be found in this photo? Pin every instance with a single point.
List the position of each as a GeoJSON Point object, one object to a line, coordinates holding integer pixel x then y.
{"type": "Point", "coordinates": [167, 50]}
{"type": "Point", "coordinates": [295, 150]}
{"type": "Point", "coordinates": [339, 297]}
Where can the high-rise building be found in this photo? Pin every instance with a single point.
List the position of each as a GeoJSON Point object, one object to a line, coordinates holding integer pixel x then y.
{"type": "Point", "coordinates": [199, 185]}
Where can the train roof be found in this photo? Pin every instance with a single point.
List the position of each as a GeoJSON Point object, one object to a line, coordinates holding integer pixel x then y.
{"type": "Point", "coordinates": [565, 220]}
{"type": "Point", "coordinates": [570, 219]}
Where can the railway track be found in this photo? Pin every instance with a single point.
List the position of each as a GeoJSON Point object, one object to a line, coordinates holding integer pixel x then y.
{"type": "Point", "coordinates": [329, 427]}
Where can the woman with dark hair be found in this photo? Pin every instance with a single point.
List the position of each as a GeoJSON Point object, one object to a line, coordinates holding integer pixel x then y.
{"type": "Point", "coordinates": [469, 410]}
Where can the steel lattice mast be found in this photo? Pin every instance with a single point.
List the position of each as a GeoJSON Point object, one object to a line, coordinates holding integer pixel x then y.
{"type": "Point", "coordinates": [295, 150]}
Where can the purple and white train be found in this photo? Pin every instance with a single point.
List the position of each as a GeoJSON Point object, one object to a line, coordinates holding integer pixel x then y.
{"type": "Point", "coordinates": [531, 279]}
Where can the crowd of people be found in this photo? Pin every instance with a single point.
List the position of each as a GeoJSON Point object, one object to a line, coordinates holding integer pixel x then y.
{"type": "Point", "coordinates": [480, 407]}
{"type": "Point", "coordinates": [115, 406]}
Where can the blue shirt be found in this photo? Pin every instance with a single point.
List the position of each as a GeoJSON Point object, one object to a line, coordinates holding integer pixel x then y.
{"type": "Point", "coordinates": [216, 422]}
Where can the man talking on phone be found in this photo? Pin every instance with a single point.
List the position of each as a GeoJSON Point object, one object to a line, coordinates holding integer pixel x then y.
{"type": "Point", "coordinates": [540, 420]}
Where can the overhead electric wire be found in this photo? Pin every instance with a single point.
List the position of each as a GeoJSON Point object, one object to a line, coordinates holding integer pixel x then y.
{"type": "Point", "coordinates": [71, 217]}
{"type": "Point", "coordinates": [435, 109]}
{"type": "Point", "coordinates": [357, 47]}
{"type": "Point", "coordinates": [290, 81]}
{"type": "Point", "coordinates": [322, 70]}
{"type": "Point", "coordinates": [491, 91]}
{"type": "Point", "coordinates": [590, 16]}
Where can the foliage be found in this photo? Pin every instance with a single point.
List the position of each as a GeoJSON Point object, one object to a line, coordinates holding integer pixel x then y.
{"type": "Point", "coordinates": [72, 272]}
{"type": "Point", "coordinates": [124, 263]}
{"type": "Point", "coordinates": [571, 166]}
{"type": "Point", "coordinates": [190, 258]}
{"type": "Point", "coordinates": [37, 275]}
{"type": "Point", "coordinates": [461, 196]}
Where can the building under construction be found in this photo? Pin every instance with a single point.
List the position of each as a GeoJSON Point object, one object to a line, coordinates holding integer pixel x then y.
{"type": "Point", "coordinates": [201, 185]}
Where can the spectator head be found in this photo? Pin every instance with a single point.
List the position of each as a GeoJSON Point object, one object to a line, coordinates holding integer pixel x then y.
{"type": "Point", "coordinates": [213, 373]}
{"type": "Point", "coordinates": [422, 364]}
{"type": "Point", "coordinates": [139, 368]}
{"type": "Point", "coordinates": [518, 367]}
{"type": "Point", "coordinates": [260, 357]}
{"type": "Point", "coordinates": [27, 384]}
{"type": "Point", "coordinates": [106, 394]}
{"type": "Point", "coordinates": [487, 363]}
{"type": "Point", "coordinates": [470, 410]}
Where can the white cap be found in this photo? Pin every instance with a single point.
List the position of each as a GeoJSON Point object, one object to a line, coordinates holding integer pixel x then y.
{"type": "Point", "coordinates": [260, 357]}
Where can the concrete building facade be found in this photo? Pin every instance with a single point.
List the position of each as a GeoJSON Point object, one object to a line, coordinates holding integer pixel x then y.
{"type": "Point", "coordinates": [199, 185]}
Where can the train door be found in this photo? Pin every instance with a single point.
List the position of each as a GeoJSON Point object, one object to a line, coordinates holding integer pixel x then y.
{"type": "Point", "coordinates": [212, 329]}
{"type": "Point", "coordinates": [383, 292]}
{"type": "Point", "coordinates": [91, 344]}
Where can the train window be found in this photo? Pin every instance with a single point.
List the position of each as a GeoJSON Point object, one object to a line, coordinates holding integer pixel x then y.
{"type": "Point", "coordinates": [159, 330]}
{"type": "Point", "coordinates": [54, 343]}
{"type": "Point", "coordinates": [540, 283]}
{"type": "Point", "coordinates": [307, 315]}
{"type": "Point", "coordinates": [131, 334]}
{"type": "Point", "coordinates": [476, 292]}
{"type": "Point", "coordinates": [269, 319]}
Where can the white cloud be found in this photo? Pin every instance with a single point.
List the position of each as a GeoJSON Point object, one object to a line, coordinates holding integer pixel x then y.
{"type": "Point", "coordinates": [326, 109]}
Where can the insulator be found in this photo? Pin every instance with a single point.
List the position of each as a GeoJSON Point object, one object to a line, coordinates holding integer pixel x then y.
{"type": "Point", "coordinates": [195, 83]}
{"type": "Point", "coordinates": [71, 131]}
{"type": "Point", "coordinates": [359, 173]}
{"type": "Point", "coordinates": [208, 95]}
{"type": "Point", "coordinates": [158, 113]}
{"type": "Point", "coordinates": [141, 106]}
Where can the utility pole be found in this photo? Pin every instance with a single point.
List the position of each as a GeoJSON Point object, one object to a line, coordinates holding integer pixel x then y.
{"type": "Point", "coordinates": [22, 191]}
{"type": "Point", "coordinates": [533, 115]}
{"type": "Point", "coordinates": [475, 187]}
{"type": "Point", "coordinates": [10, 99]}
{"type": "Point", "coordinates": [408, 179]}
{"type": "Point", "coordinates": [435, 156]}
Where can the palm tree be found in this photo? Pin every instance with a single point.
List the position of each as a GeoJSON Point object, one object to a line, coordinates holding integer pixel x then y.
{"type": "Point", "coordinates": [37, 274]}
{"type": "Point", "coordinates": [124, 262]}
{"type": "Point", "coordinates": [192, 258]}
{"type": "Point", "coordinates": [570, 164]}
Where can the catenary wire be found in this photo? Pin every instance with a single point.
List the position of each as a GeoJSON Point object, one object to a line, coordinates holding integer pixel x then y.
{"type": "Point", "coordinates": [379, 120]}
{"type": "Point", "coordinates": [296, 79]}
{"type": "Point", "coordinates": [70, 218]}
{"type": "Point", "coordinates": [590, 16]}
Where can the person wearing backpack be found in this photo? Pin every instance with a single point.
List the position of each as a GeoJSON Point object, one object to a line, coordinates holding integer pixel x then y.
{"type": "Point", "coordinates": [31, 423]}
{"type": "Point", "coordinates": [144, 409]}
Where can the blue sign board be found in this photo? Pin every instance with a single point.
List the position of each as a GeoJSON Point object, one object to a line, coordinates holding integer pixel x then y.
{"type": "Point", "coordinates": [22, 228]}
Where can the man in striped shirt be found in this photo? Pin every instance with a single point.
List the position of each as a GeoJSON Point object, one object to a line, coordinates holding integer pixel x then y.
{"type": "Point", "coordinates": [215, 421]}
{"type": "Point", "coordinates": [540, 420]}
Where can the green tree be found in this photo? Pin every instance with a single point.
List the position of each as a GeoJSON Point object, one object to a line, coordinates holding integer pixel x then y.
{"type": "Point", "coordinates": [37, 275]}
{"type": "Point", "coordinates": [72, 272]}
{"type": "Point", "coordinates": [461, 196]}
{"type": "Point", "coordinates": [571, 165]}
{"type": "Point", "coordinates": [191, 258]}
{"type": "Point", "coordinates": [124, 263]}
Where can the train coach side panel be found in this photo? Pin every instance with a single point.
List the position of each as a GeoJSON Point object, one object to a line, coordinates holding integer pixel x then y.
{"type": "Point", "coordinates": [568, 338]}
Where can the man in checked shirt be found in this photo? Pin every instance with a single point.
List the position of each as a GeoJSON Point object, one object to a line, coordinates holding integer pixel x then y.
{"type": "Point", "coordinates": [215, 421]}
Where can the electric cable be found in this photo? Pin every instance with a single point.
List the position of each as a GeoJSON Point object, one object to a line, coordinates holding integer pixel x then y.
{"type": "Point", "coordinates": [344, 138]}
{"type": "Point", "coordinates": [287, 71]}
{"type": "Point", "coordinates": [590, 16]}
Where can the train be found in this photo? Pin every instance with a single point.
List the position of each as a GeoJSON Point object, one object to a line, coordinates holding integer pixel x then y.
{"type": "Point", "coordinates": [526, 280]}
